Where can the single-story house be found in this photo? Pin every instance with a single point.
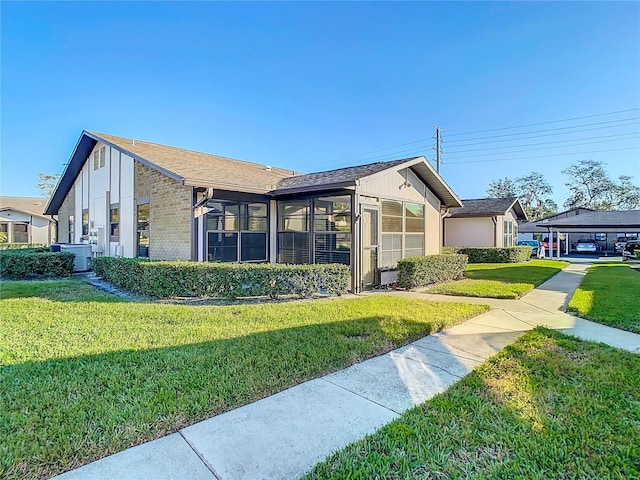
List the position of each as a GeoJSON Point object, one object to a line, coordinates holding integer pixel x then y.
{"type": "Point", "coordinates": [131, 198]}
{"type": "Point", "coordinates": [22, 219]}
{"type": "Point", "coordinates": [603, 227]}
{"type": "Point", "coordinates": [531, 230]}
{"type": "Point", "coordinates": [484, 222]}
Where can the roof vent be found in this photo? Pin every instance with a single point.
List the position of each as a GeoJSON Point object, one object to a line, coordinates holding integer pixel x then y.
{"type": "Point", "coordinates": [133, 141]}
{"type": "Point", "coordinates": [267, 168]}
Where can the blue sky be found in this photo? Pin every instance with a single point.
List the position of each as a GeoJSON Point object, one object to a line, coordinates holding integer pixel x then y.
{"type": "Point", "coordinates": [315, 86]}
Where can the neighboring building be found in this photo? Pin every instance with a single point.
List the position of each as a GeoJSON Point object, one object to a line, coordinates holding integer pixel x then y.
{"type": "Point", "coordinates": [138, 199]}
{"type": "Point", "coordinates": [603, 227]}
{"type": "Point", "coordinates": [484, 222]}
{"type": "Point", "coordinates": [531, 230]}
{"type": "Point", "coordinates": [23, 220]}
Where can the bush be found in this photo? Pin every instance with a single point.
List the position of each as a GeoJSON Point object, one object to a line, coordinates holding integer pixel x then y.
{"type": "Point", "coordinates": [492, 254]}
{"type": "Point", "coordinates": [419, 271]}
{"type": "Point", "coordinates": [21, 246]}
{"type": "Point", "coordinates": [228, 280]}
{"type": "Point", "coordinates": [34, 262]}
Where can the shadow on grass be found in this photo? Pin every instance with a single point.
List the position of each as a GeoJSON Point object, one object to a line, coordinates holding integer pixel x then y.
{"type": "Point", "coordinates": [514, 274]}
{"type": "Point", "coordinates": [58, 414]}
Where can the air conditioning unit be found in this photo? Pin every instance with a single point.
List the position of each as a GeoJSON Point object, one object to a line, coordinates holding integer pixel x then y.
{"type": "Point", "coordinates": [83, 254]}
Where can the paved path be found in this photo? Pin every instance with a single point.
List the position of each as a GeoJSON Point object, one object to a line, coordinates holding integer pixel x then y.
{"type": "Point", "coordinates": [285, 435]}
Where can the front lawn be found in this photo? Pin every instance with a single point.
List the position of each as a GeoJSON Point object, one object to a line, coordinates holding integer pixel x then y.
{"type": "Point", "coordinates": [84, 374]}
{"type": "Point", "coordinates": [501, 280]}
{"type": "Point", "coordinates": [549, 406]}
{"type": "Point", "coordinates": [609, 294]}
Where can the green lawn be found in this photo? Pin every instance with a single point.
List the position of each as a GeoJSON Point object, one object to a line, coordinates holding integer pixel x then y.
{"type": "Point", "coordinates": [609, 294]}
{"type": "Point", "coordinates": [84, 375]}
{"type": "Point", "coordinates": [549, 406]}
{"type": "Point", "coordinates": [501, 280]}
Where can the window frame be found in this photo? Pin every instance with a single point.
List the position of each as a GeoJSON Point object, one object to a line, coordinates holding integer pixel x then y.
{"type": "Point", "coordinates": [394, 242]}
{"type": "Point", "coordinates": [114, 225]}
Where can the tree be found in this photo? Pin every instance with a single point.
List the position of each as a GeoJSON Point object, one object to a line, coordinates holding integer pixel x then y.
{"type": "Point", "coordinates": [47, 184]}
{"type": "Point", "coordinates": [533, 190]}
{"type": "Point", "coordinates": [590, 187]}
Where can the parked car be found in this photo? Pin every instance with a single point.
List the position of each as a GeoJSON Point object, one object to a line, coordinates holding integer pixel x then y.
{"type": "Point", "coordinates": [631, 250]}
{"type": "Point", "coordinates": [534, 244]}
{"type": "Point", "coordinates": [618, 247]}
{"type": "Point", "coordinates": [586, 245]}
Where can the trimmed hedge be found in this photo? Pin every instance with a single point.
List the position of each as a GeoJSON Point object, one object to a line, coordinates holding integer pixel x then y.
{"type": "Point", "coordinates": [35, 262]}
{"type": "Point", "coordinates": [20, 246]}
{"type": "Point", "coordinates": [228, 280]}
{"type": "Point", "coordinates": [492, 254]}
{"type": "Point", "coordinates": [420, 271]}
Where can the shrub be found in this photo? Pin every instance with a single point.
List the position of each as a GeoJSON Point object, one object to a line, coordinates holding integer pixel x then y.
{"type": "Point", "coordinates": [21, 246]}
{"type": "Point", "coordinates": [419, 271]}
{"type": "Point", "coordinates": [27, 263]}
{"type": "Point", "coordinates": [492, 254]}
{"type": "Point", "coordinates": [228, 280]}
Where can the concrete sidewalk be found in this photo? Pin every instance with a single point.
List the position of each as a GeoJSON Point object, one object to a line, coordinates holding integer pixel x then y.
{"type": "Point", "coordinates": [285, 435]}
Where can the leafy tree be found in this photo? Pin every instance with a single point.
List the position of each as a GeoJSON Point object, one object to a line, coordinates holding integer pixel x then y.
{"type": "Point", "coordinates": [47, 184]}
{"type": "Point", "coordinates": [590, 187]}
{"type": "Point", "coordinates": [533, 190]}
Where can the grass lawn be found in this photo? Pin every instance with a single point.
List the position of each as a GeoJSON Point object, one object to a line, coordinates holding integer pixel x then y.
{"type": "Point", "coordinates": [549, 406]}
{"type": "Point", "coordinates": [501, 280]}
{"type": "Point", "coordinates": [84, 375]}
{"type": "Point", "coordinates": [609, 294]}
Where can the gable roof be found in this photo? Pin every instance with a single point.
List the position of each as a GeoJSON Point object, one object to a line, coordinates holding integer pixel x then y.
{"type": "Point", "coordinates": [488, 207]}
{"type": "Point", "coordinates": [205, 170]}
{"type": "Point", "coordinates": [624, 218]}
{"type": "Point", "coordinates": [185, 166]}
{"type": "Point", "coordinates": [28, 205]}
{"type": "Point", "coordinates": [349, 177]}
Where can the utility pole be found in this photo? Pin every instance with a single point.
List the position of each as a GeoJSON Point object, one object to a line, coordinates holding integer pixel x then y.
{"type": "Point", "coordinates": [438, 148]}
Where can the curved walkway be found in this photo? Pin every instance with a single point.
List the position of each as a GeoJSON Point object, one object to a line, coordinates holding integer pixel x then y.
{"type": "Point", "coordinates": [285, 435]}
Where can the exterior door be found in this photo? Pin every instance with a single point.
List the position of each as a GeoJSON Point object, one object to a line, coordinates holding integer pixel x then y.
{"type": "Point", "coordinates": [370, 239]}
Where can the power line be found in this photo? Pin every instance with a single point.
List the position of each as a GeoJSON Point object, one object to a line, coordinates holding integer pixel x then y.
{"type": "Point", "coordinates": [546, 143]}
{"type": "Point", "coordinates": [545, 135]}
{"type": "Point", "coordinates": [535, 149]}
{"type": "Point", "coordinates": [545, 156]}
{"type": "Point", "coordinates": [544, 123]}
{"type": "Point", "coordinates": [546, 130]}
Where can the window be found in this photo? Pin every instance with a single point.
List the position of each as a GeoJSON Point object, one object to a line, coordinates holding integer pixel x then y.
{"type": "Point", "coordinates": [143, 230]}
{"type": "Point", "coordinates": [114, 223]}
{"type": "Point", "coordinates": [414, 230]}
{"type": "Point", "coordinates": [85, 224]}
{"type": "Point", "coordinates": [332, 227]}
{"type": "Point", "coordinates": [96, 159]}
{"type": "Point", "coordinates": [508, 234]}
{"type": "Point", "coordinates": [4, 228]}
{"type": "Point", "coordinates": [293, 231]}
{"type": "Point", "coordinates": [72, 229]}
{"type": "Point", "coordinates": [20, 233]}
{"type": "Point", "coordinates": [403, 230]}
{"type": "Point", "coordinates": [103, 154]}
{"type": "Point", "coordinates": [236, 231]}
{"type": "Point", "coordinates": [601, 237]}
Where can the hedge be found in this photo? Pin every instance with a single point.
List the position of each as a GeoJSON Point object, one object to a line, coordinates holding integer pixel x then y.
{"type": "Point", "coordinates": [20, 246]}
{"type": "Point", "coordinates": [35, 262]}
{"type": "Point", "coordinates": [492, 254]}
{"type": "Point", "coordinates": [419, 271]}
{"type": "Point", "coordinates": [228, 280]}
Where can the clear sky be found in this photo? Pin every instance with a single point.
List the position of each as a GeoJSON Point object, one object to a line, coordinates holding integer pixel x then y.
{"type": "Point", "coordinates": [316, 86]}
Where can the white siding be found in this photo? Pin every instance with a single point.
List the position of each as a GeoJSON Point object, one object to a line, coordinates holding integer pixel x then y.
{"type": "Point", "coordinates": [127, 207]}
{"type": "Point", "coordinates": [78, 210]}
{"type": "Point", "coordinates": [470, 232]}
{"type": "Point", "coordinates": [114, 158]}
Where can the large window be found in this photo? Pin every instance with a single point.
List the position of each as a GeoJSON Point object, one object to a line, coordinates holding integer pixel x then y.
{"type": "Point", "coordinates": [293, 231]}
{"type": "Point", "coordinates": [72, 229]}
{"type": "Point", "coordinates": [508, 234]}
{"type": "Point", "coordinates": [85, 224]}
{"type": "Point", "coordinates": [332, 230]}
{"type": "Point", "coordinates": [4, 228]}
{"type": "Point", "coordinates": [143, 230]}
{"type": "Point", "coordinates": [236, 231]}
{"type": "Point", "coordinates": [402, 231]}
{"type": "Point", "coordinates": [20, 233]}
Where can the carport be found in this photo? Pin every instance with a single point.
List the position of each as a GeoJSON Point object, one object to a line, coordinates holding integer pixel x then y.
{"type": "Point", "coordinates": [603, 227]}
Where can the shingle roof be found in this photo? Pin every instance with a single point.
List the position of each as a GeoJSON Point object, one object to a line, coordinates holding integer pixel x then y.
{"type": "Point", "coordinates": [487, 207]}
{"type": "Point", "coordinates": [30, 205]}
{"type": "Point", "coordinates": [201, 169]}
{"type": "Point", "coordinates": [339, 176]}
{"type": "Point", "coordinates": [624, 218]}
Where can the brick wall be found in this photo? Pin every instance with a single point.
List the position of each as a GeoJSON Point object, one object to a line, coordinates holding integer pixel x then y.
{"type": "Point", "coordinates": [170, 219]}
{"type": "Point", "coordinates": [141, 180]}
{"type": "Point", "coordinates": [67, 209]}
